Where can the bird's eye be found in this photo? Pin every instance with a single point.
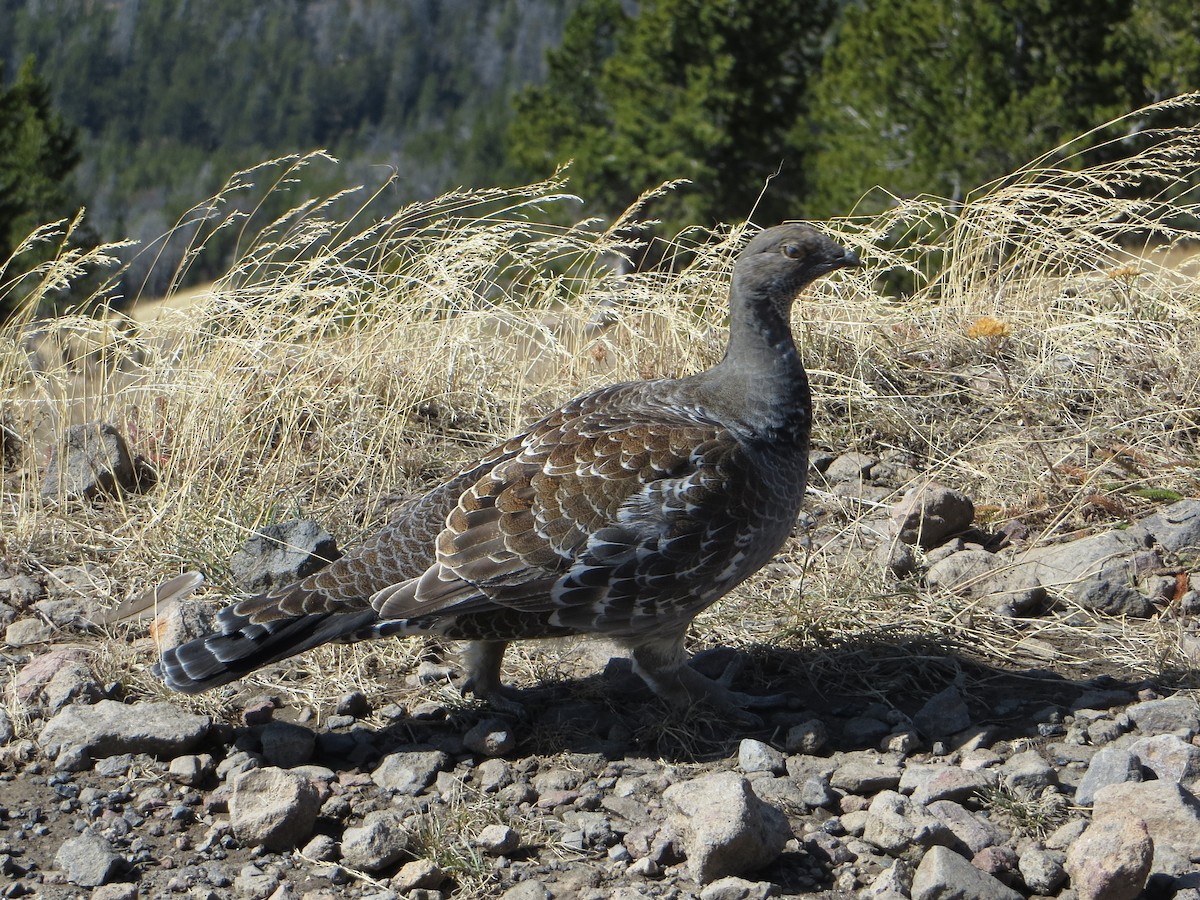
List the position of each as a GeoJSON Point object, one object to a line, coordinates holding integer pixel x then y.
{"type": "Point", "coordinates": [791, 251]}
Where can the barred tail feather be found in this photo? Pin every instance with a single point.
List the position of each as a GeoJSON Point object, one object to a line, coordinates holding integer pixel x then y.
{"type": "Point", "coordinates": [243, 646]}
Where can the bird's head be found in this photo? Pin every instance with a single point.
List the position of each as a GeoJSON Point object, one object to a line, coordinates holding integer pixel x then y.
{"type": "Point", "coordinates": [780, 262]}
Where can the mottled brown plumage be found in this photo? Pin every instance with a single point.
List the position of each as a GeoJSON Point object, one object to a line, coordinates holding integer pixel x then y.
{"type": "Point", "coordinates": [624, 513]}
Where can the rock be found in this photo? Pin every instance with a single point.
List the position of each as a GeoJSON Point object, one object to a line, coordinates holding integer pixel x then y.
{"type": "Point", "coordinates": [191, 770]}
{"type": "Point", "coordinates": [409, 771]}
{"type": "Point", "coordinates": [928, 514]}
{"type": "Point", "coordinates": [26, 632]}
{"type": "Point", "coordinates": [1177, 527]}
{"type": "Point", "coordinates": [726, 829]}
{"type": "Point", "coordinates": [1170, 715]}
{"type": "Point", "coordinates": [376, 844]}
{"type": "Point", "coordinates": [946, 783]}
{"type": "Point", "coordinates": [1169, 757]}
{"type": "Point", "coordinates": [975, 832]}
{"type": "Point", "coordinates": [894, 823]}
{"type": "Point", "coordinates": [87, 860]}
{"type": "Point", "coordinates": [1010, 589]}
{"type": "Point", "coordinates": [1027, 772]}
{"type": "Point", "coordinates": [1095, 571]}
{"type": "Point", "coordinates": [1112, 860]}
{"type": "Point", "coordinates": [755, 756]}
{"type": "Point", "coordinates": [863, 731]}
{"type": "Point", "coordinates": [497, 840]}
{"type": "Point", "coordinates": [273, 807]}
{"type": "Point", "coordinates": [279, 554]}
{"type": "Point", "coordinates": [353, 703]}
{"type": "Point", "coordinates": [944, 875]}
{"type": "Point", "coordinates": [108, 728]}
{"type": "Point", "coordinates": [1109, 765]}
{"type": "Point", "coordinates": [526, 890]}
{"type": "Point", "coordinates": [998, 861]}
{"type": "Point", "coordinates": [944, 714]}
{"type": "Point", "coordinates": [286, 745]}
{"type": "Point", "coordinates": [849, 467]}
{"type": "Point", "coordinates": [92, 460]}
{"type": "Point", "coordinates": [29, 685]}
{"type": "Point", "coordinates": [420, 873]}
{"type": "Point", "coordinates": [731, 888]}
{"type": "Point", "coordinates": [1171, 814]}
{"type": "Point", "coordinates": [182, 621]}
{"type": "Point", "coordinates": [864, 778]}
{"type": "Point", "coordinates": [893, 883]}
{"type": "Point", "coordinates": [1043, 870]}
{"type": "Point", "coordinates": [6, 727]}
{"type": "Point", "coordinates": [255, 884]}
{"type": "Point", "coordinates": [491, 737]}
{"type": "Point", "coordinates": [807, 737]}
{"type": "Point", "coordinates": [73, 682]}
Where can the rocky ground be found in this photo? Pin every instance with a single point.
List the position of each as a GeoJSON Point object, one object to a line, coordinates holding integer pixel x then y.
{"type": "Point", "coordinates": [990, 784]}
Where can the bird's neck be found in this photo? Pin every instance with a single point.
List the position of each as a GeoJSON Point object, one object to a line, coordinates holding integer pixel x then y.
{"type": "Point", "coordinates": [761, 381]}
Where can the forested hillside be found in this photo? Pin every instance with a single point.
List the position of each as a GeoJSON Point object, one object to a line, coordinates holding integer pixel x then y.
{"type": "Point", "coordinates": [769, 108]}
{"type": "Point", "coordinates": [172, 97]}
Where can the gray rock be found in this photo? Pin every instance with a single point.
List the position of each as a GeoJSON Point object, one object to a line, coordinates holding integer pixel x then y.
{"type": "Point", "coordinates": [26, 632]}
{"type": "Point", "coordinates": [191, 770]}
{"type": "Point", "coordinates": [279, 554]}
{"type": "Point", "coordinates": [1177, 527]}
{"type": "Point", "coordinates": [944, 875]}
{"type": "Point", "coordinates": [815, 791]}
{"type": "Point", "coordinates": [726, 829]}
{"type": "Point", "coordinates": [184, 620]}
{"type": "Point", "coordinates": [72, 683]}
{"type": "Point", "coordinates": [491, 737]}
{"type": "Point", "coordinates": [322, 848]}
{"type": "Point", "coordinates": [928, 514]}
{"type": "Point", "coordinates": [946, 783]}
{"type": "Point", "coordinates": [894, 823]}
{"type": "Point", "coordinates": [1171, 715]}
{"type": "Point", "coordinates": [1012, 590]}
{"type": "Point", "coordinates": [1028, 772]}
{"type": "Point", "coordinates": [864, 778]}
{"type": "Point", "coordinates": [850, 466]}
{"type": "Point", "coordinates": [1043, 870]}
{"type": "Point", "coordinates": [1171, 814]}
{"type": "Point", "coordinates": [1109, 765]}
{"type": "Point", "coordinates": [418, 874]}
{"type": "Point", "coordinates": [1095, 571]}
{"type": "Point", "coordinates": [108, 728]}
{"type": "Point", "coordinates": [807, 737]}
{"type": "Point", "coordinates": [974, 832]}
{"type": "Point", "coordinates": [92, 460]}
{"type": "Point", "coordinates": [287, 745]}
{"type": "Point", "coordinates": [492, 775]}
{"type": "Point", "coordinates": [376, 844]}
{"type": "Point", "coordinates": [1169, 757]}
{"type": "Point", "coordinates": [87, 860]}
{"type": "Point", "coordinates": [409, 771]}
{"type": "Point", "coordinates": [755, 756]}
{"type": "Point", "coordinates": [273, 807]}
{"type": "Point", "coordinates": [6, 727]}
{"type": "Point", "coordinates": [731, 888]}
{"type": "Point", "coordinates": [497, 840]}
{"type": "Point", "coordinates": [255, 884]}
{"type": "Point", "coordinates": [944, 714]}
{"type": "Point", "coordinates": [20, 590]}
{"type": "Point", "coordinates": [526, 890]}
{"type": "Point", "coordinates": [863, 731]}
{"type": "Point", "coordinates": [1112, 860]}
{"type": "Point", "coordinates": [353, 703]}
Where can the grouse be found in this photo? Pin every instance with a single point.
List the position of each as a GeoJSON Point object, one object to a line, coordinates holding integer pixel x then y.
{"type": "Point", "coordinates": [623, 513]}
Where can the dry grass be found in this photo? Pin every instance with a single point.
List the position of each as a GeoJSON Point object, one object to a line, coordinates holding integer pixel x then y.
{"type": "Point", "coordinates": [1047, 363]}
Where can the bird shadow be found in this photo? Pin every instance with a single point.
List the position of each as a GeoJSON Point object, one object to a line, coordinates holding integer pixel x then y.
{"type": "Point", "coordinates": [857, 695]}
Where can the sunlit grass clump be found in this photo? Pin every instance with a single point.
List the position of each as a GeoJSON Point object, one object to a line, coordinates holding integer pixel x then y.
{"type": "Point", "coordinates": [1046, 361]}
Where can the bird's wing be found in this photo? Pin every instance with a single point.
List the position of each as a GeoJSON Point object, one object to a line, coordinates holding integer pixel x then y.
{"type": "Point", "coordinates": [601, 510]}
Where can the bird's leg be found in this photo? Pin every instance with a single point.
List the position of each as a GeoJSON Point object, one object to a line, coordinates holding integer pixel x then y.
{"type": "Point", "coordinates": [662, 664]}
{"type": "Point", "coordinates": [481, 660]}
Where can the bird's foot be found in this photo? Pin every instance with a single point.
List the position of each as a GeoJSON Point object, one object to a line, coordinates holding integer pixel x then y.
{"type": "Point", "coordinates": [481, 659]}
{"type": "Point", "coordinates": [683, 687]}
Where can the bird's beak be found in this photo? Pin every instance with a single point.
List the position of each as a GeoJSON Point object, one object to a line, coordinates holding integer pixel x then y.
{"type": "Point", "coordinates": [850, 260]}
